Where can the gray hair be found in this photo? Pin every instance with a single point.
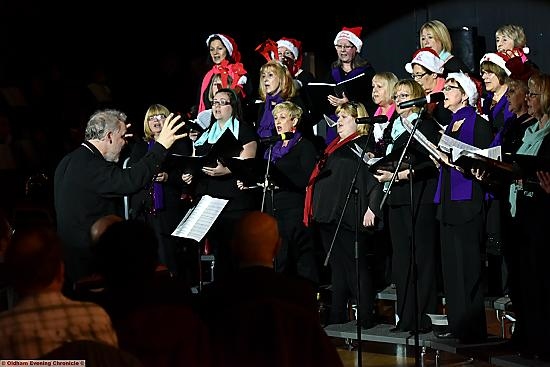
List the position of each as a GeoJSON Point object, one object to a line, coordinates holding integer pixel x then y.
{"type": "Point", "coordinates": [103, 122]}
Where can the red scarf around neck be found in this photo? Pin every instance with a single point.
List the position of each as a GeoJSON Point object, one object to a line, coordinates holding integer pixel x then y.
{"type": "Point", "coordinates": [331, 148]}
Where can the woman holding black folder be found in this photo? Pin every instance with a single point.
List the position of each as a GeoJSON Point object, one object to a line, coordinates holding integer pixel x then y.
{"type": "Point", "coordinates": [461, 213]}
{"type": "Point", "coordinates": [418, 217]}
{"type": "Point", "coordinates": [218, 181]}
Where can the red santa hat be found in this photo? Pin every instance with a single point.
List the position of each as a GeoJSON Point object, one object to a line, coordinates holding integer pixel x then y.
{"type": "Point", "coordinates": [428, 58]}
{"type": "Point", "coordinates": [497, 58]}
{"type": "Point", "coordinates": [294, 46]}
{"type": "Point", "coordinates": [352, 35]}
{"type": "Point", "coordinates": [229, 44]}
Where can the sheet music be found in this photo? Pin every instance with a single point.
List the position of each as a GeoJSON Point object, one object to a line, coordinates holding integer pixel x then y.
{"type": "Point", "coordinates": [198, 220]}
{"type": "Point", "coordinates": [330, 122]}
{"type": "Point", "coordinates": [456, 148]}
{"type": "Point", "coordinates": [422, 139]}
{"type": "Point", "coordinates": [359, 151]}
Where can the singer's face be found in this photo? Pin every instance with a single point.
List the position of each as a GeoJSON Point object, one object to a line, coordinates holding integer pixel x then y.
{"type": "Point", "coordinates": [380, 93]}
{"type": "Point", "coordinates": [345, 50]}
{"type": "Point", "coordinates": [218, 52]}
{"type": "Point", "coordinates": [402, 94]}
{"type": "Point", "coordinates": [271, 82]}
{"type": "Point", "coordinates": [427, 39]}
{"type": "Point", "coordinates": [221, 107]}
{"type": "Point", "coordinates": [346, 124]}
{"type": "Point", "coordinates": [453, 96]}
{"type": "Point", "coordinates": [503, 42]}
{"type": "Point", "coordinates": [283, 122]}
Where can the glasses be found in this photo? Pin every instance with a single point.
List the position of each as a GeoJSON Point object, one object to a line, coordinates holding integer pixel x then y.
{"type": "Point", "coordinates": [157, 118]}
{"type": "Point", "coordinates": [418, 76]}
{"type": "Point", "coordinates": [343, 47]}
{"type": "Point", "coordinates": [532, 94]}
{"type": "Point", "coordinates": [401, 96]}
{"type": "Point", "coordinates": [449, 88]}
{"type": "Point", "coordinates": [221, 102]}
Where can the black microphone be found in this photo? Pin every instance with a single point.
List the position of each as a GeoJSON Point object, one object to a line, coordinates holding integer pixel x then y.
{"type": "Point", "coordinates": [417, 102]}
{"type": "Point", "coordinates": [372, 120]}
{"type": "Point", "coordinates": [276, 138]}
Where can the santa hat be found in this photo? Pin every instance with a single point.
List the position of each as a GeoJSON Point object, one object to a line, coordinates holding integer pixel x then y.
{"type": "Point", "coordinates": [229, 44]}
{"type": "Point", "coordinates": [468, 84]}
{"type": "Point", "coordinates": [520, 70]}
{"type": "Point", "coordinates": [497, 58]}
{"type": "Point", "coordinates": [294, 46]}
{"type": "Point", "coordinates": [428, 58]}
{"type": "Point", "coordinates": [352, 35]}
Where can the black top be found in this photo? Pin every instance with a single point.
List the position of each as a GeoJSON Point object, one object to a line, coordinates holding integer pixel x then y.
{"type": "Point", "coordinates": [425, 173]}
{"type": "Point", "coordinates": [225, 187]}
{"type": "Point", "coordinates": [296, 166]}
{"type": "Point", "coordinates": [87, 187]}
{"type": "Point", "coordinates": [141, 202]}
{"type": "Point", "coordinates": [333, 183]}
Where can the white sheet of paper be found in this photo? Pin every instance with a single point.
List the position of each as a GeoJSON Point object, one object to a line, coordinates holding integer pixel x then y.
{"type": "Point", "coordinates": [198, 220]}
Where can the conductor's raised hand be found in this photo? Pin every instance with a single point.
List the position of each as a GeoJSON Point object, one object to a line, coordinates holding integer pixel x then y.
{"type": "Point", "coordinates": [168, 135]}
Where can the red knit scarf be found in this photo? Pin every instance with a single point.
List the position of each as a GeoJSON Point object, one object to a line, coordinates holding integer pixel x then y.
{"type": "Point", "coordinates": [331, 148]}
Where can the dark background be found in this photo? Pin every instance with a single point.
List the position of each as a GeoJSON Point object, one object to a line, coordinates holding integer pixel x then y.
{"type": "Point", "coordinates": [155, 51]}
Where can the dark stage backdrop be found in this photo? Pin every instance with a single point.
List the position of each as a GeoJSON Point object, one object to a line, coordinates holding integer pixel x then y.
{"type": "Point", "coordinates": [155, 52]}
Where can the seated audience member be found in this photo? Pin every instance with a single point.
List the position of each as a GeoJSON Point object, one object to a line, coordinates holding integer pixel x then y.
{"type": "Point", "coordinates": [34, 326]}
{"type": "Point", "coordinates": [127, 258]}
{"type": "Point", "coordinates": [259, 317]}
{"type": "Point", "coordinates": [254, 245]}
{"type": "Point", "coordinates": [143, 300]}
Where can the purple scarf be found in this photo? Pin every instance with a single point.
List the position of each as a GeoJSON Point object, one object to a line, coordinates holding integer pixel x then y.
{"type": "Point", "coordinates": [279, 151]}
{"type": "Point", "coordinates": [267, 123]}
{"type": "Point", "coordinates": [461, 187]}
{"type": "Point", "coordinates": [158, 190]}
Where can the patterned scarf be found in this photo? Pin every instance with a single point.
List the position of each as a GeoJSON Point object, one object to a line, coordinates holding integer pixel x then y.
{"type": "Point", "coordinates": [267, 123]}
{"type": "Point", "coordinates": [331, 148]}
{"type": "Point", "coordinates": [461, 187]}
{"type": "Point", "coordinates": [279, 151]}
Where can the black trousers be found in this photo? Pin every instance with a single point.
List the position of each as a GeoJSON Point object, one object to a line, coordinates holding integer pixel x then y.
{"type": "Point", "coordinates": [344, 276]}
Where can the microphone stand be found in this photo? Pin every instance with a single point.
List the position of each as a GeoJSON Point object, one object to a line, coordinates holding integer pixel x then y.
{"type": "Point", "coordinates": [413, 232]}
{"type": "Point", "coordinates": [354, 190]}
{"type": "Point", "coordinates": [266, 176]}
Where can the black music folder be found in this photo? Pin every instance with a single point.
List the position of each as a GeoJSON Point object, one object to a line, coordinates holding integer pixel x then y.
{"type": "Point", "coordinates": [389, 161]}
{"type": "Point", "coordinates": [318, 92]}
{"type": "Point", "coordinates": [497, 171]}
{"type": "Point", "coordinates": [527, 166]}
{"type": "Point", "coordinates": [252, 172]}
{"type": "Point", "coordinates": [227, 146]}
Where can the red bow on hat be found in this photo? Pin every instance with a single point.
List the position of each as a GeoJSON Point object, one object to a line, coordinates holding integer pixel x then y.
{"type": "Point", "coordinates": [225, 69]}
{"type": "Point", "coordinates": [268, 49]}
